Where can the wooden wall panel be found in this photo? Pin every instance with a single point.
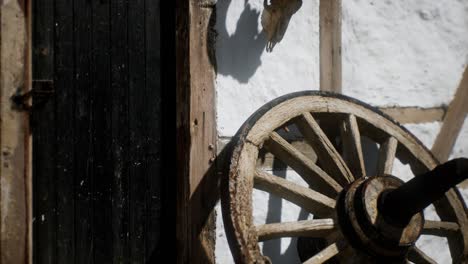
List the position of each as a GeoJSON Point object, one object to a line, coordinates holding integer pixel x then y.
{"type": "Point", "coordinates": [63, 135]}
{"type": "Point", "coordinates": [97, 141]}
{"type": "Point", "coordinates": [159, 119]}
{"type": "Point", "coordinates": [101, 92]}
{"type": "Point", "coordinates": [44, 129]}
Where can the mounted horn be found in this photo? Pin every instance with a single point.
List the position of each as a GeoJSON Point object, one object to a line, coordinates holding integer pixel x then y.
{"type": "Point", "coordinates": [276, 17]}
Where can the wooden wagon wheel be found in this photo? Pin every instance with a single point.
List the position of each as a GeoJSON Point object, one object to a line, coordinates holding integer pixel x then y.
{"type": "Point", "coordinates": [340, 194]}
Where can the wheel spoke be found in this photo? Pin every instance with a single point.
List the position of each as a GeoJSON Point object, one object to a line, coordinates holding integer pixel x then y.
{"type": "Point", "coordinates": [352, 146]}
{"type": "Point", "coordinates": [328, 155]}
{"type": "Point", "coordinates": [417, 256]}
{"type": "Point", "coordinates": [312, 201]}
{"type": "Point", "coordinates": [327, 253]}
{"type": "Point", "coordinates": [306, 228]}
{"type": "Point", "coordinates": [387, 156]}
{"type": "Point", "coordinates": [440, 228]}
{"type": "Point", "coordinates": [305, 167]}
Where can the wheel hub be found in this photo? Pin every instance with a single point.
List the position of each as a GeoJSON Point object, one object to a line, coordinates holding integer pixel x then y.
{"type": "Point", "coordinates": [363, 220]}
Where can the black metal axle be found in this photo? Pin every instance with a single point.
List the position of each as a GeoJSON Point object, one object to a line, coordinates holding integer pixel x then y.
{"type": "Point", "coordinates": [398, 206]}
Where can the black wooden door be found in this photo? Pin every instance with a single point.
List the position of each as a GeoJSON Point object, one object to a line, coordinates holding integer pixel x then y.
{"type": "Point", "coordinates": [97, 140]}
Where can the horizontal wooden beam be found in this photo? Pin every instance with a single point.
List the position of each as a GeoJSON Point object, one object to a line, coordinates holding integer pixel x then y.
{"type": "Point", "coordinates": [415, 115]}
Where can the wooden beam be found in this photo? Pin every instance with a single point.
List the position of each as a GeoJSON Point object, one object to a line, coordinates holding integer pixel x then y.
{"type": "Point", "coordinates": [197, 184]}
{"type": "Point", "coordinates": [15, 189]}
{"type": "Point", "coordinates": [415, 115]}
{"type": "Point", "coordinates": [28, 157]}
{"type": "Point", "coordinates": [330, 45]}
{"type": "Point", "coordinates": [453, 121]}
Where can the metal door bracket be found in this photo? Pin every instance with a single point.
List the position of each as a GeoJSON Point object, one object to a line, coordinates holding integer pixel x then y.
{"type": "Point", "coordinates": [40, 93]}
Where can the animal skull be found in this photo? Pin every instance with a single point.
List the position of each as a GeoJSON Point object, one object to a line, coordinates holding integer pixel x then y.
{"type": "Point", "coordinates": [275, 19]}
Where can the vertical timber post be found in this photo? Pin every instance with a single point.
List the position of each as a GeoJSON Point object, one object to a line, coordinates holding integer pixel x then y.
{"type": "Point", "coordinates": [330, 45]}
{"type": "Point", "coordinates": [15, 173]}
{"type": "Point", "coordinates": [453, 121]}
{"type": "Point", "coordinates": [28, 136]}
{"type": "Point", "coordinates": [197, 185]}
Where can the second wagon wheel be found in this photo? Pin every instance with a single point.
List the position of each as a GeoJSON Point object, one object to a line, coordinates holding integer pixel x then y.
{"type": "Point", "coordinates": [362, 218]}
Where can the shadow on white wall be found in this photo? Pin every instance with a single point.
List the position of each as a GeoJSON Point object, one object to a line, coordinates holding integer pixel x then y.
{"type": "Point", "coordinates": [238, 54]}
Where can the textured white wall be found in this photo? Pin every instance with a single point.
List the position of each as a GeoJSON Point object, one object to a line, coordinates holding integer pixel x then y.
{"type": "Point", "coordinates": [407, 53]}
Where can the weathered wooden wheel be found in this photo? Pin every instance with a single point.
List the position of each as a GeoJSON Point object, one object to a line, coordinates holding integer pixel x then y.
{"type": "Point", "coordinates": [350, 212]}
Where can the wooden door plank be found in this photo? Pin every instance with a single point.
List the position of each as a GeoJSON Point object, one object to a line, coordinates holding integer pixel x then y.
{"type": "Point", "coordinates": [100, 179]}
{"type": "Point", "coordinates": [101, 94]}
{"type": "Point", "coordinates": [138, 118]}
{"type": "Point", "coordinates": [83, 182]}
{"type": "Point", "coordinates": [65, 133]}
{"type": "Point", "coordinates": [153, 128]}
{"type": "Point", "coordinates": [43, 127]}
{"type": "Point", "coordinates": [120, 129]}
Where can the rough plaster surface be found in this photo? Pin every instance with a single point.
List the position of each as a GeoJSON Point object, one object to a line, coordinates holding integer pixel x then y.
{"type": "Point", "coordinates": [405, 53]}
{"type": "Point", "coordinates": [13, 211]}
{"type": "Point", "coordinates": [394, 53]}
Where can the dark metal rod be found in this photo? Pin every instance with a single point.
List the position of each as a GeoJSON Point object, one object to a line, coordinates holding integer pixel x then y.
{"type": "Point", "coordinates": [398, 206]}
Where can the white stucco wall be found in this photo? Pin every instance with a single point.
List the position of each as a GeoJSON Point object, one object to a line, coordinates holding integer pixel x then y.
{"type": "Point", "coordinates": [406, 53]}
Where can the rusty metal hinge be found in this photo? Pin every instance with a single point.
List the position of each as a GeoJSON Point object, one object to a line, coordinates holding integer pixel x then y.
{"type": "Point", "coordinates": [40, 93]}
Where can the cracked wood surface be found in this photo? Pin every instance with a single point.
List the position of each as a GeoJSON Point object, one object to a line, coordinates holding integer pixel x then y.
{"type": "Point", "coordinates": [15, 210]}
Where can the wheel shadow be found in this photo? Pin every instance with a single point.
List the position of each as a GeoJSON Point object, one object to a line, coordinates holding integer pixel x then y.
{"type": "Point", "coordinates": [272, 248]}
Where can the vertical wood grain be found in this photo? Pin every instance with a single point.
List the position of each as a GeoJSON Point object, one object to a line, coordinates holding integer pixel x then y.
{"type": "Point", "coordinates": [330, 45]}
{"type": "Point", "coordinates": [453, 121]}
{"type": "Point", "coordinates": [196, 133]}
{"type": "Point", "coordinates": [43, 128]}
{"type": "Point", "coordinates": [102, 169]}
{"type": "Point", "coordinates": [83, 177]}
{"type": "Point", "coordinates": [65, 134]}
{"type": "Point", "coordinates": [138, 118]}
{"type": "Point", "coordinates": [155, 144]}
{"type": "Point", "coordinates": [120, 129]}
{"type": "Point", "coordinates": [97, 156]}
